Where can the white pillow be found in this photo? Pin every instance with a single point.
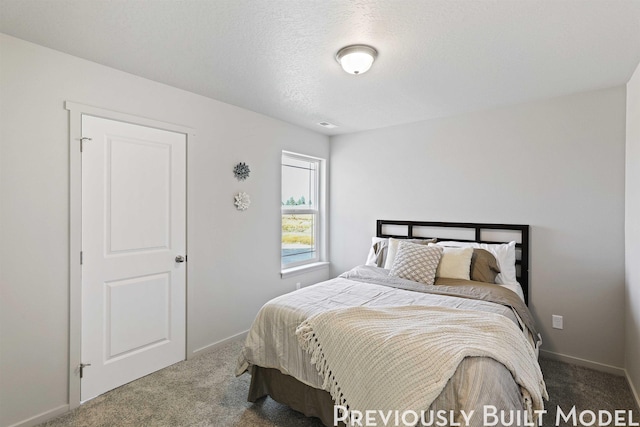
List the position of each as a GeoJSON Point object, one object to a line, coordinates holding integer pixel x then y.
{"type": "Point", "coordinates": [505, 254]}
{"type": "Point", "coordinates": [455, 263]}
{"type": "Point", "coordinates": [377, 252]}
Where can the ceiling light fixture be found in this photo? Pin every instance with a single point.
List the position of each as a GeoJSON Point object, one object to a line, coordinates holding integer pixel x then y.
{"type": "Point", "coordinates": [357, 58]}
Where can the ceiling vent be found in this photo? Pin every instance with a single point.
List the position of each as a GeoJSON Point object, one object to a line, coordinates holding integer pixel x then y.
{"type": "Point", "coordinates": [327, 125]}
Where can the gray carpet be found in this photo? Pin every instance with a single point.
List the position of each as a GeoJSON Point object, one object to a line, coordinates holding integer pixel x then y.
{"type": "Point", "coordinates": [204, 392]}
{"type": "Point", "coordinates": [570, 385]}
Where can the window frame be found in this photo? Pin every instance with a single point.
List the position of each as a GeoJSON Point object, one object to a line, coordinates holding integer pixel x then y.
{"type": "Point", "coordinates": [317, 209]}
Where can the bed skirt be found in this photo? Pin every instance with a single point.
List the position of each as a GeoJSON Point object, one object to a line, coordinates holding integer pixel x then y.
{"type": "Point", "coordinates": [285, 389]}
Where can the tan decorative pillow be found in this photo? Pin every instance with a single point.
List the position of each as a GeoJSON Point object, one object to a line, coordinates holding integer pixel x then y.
{"type": "Point", "coordinates": [392, 248]}
{"type": "Point", "coordinates": [484, 267]}
{"type": "Point", "coordinates": [455, 263]}
{"type": "Point", "coordinates": [416, 262]}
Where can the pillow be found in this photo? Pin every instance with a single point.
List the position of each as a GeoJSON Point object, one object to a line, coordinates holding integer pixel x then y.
{"type": "Point", "coordinates": [378, 251]}
{"type": "Point", "coordinates": [455, 263]}
{"type": "Point", "coordinates": [416, 262]}
{"type": "Point", "coordinates": [505, 254]}
{"type": "Point", "coordinates": [393, 248]}
{"type": "Point", "coordinates": [484, 267]}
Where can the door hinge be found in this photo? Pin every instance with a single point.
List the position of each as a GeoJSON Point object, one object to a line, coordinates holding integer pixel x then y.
{"type": "Point", "coordinates": [81, 257]}
{"type": "Point", "coordinates": [82, 140]}
{"type": "Point", "coordinates": [82, 366]}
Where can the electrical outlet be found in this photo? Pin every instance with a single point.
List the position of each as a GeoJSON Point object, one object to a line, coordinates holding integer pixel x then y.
{"type": "Point", "coordinates": [297, 285]}
{"type": "Point", "coordinates": [556, 321]}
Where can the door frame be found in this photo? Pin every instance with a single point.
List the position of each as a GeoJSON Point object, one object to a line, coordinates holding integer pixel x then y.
{"type": "Point", "coordinates": [76, 111]}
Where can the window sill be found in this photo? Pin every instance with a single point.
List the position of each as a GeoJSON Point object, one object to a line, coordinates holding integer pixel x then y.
{"type": "Point", "coordinates": [307, 268]}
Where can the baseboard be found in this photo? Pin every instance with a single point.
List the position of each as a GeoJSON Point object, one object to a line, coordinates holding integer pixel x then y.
{"type": "Point", "coordinates": [602, 367]}
{"type": "Point", "coordinates": [43, 417]}
{"type": "Point", "coordinates": [634, 390]}
{"type": "Point", "coordinates": [207, 348]}
{"type": "Point", "coordinates": [53, 413]}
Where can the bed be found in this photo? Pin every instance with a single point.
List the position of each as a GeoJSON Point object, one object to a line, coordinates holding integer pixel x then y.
{"type": "Point", "coordinates": [451, 346]}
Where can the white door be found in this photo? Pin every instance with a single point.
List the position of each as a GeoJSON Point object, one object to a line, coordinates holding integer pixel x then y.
{"type": "Point", "coordinates": [133, 235]}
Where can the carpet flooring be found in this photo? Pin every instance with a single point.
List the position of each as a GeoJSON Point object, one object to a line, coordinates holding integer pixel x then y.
{"type": "Point", "coordinates": [203, 391]}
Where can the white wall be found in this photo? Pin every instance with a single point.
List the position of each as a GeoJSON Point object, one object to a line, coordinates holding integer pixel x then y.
{"type": "Point", "coordinates": [234, 261]}
{"type": "Point", "coordinates": [557, 165]}
{"type": "Point", "coordinates": [632, 233]}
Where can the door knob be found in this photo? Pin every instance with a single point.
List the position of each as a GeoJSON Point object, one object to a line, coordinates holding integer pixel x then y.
{"type": "Point", "coordinates": [180, 258]}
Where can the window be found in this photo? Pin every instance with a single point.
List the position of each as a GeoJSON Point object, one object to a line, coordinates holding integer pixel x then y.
{"type": "Point", "coordinates": [302, 210]}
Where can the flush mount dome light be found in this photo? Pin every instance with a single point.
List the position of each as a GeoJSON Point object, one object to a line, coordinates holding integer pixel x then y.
{"type": "Point", "coordinates": [357, 58]}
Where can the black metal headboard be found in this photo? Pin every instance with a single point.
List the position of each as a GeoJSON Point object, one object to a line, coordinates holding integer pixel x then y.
{"type": "Point", "coordinates": [466, 232]}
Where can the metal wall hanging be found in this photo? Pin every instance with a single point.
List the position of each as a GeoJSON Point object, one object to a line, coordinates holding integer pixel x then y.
{"type": "Point", "coordinates": [242, 201]}
{"type": "Point", "coordinates": [241, 171]}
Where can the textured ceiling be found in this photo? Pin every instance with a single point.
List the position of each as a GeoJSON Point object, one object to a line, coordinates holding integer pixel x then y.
{"type": "Point", "coordinates": [276, 57]}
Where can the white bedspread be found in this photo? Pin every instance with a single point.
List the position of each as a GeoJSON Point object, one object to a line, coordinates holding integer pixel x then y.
{"type": "Point", "coordinates": [272, 342]}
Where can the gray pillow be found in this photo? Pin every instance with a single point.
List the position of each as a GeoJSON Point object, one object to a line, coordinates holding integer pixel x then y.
{"type": "Point", "coordinates": [416, 262]}
{"type": "Point", "coordinates": [392, 248]}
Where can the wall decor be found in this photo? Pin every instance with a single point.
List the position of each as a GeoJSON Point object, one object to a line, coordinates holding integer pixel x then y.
{"type": "Point", "coordinates": [241, 171]}
{"type": "Point", "coordinates": [242, 201]}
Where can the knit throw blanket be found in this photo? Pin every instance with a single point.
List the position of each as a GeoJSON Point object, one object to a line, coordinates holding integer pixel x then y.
{"type": "Point", "coordinates": [401, 358]}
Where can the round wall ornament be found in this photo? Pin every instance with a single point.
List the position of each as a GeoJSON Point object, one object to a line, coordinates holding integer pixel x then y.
{"type": "Point", "coordinates": [242, 201]}
{"type": "Point", "coordinates": [241, 171]}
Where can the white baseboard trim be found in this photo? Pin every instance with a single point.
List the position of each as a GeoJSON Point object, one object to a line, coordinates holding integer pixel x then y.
{"type": "Point", "coordinates": [207, 348]}
{"type": "Point", "coordinates": [634, 390]}
{"type": "Point", "coordinates": [602, 367]}
{"type": "Point", "coordinates": [43, 417]}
